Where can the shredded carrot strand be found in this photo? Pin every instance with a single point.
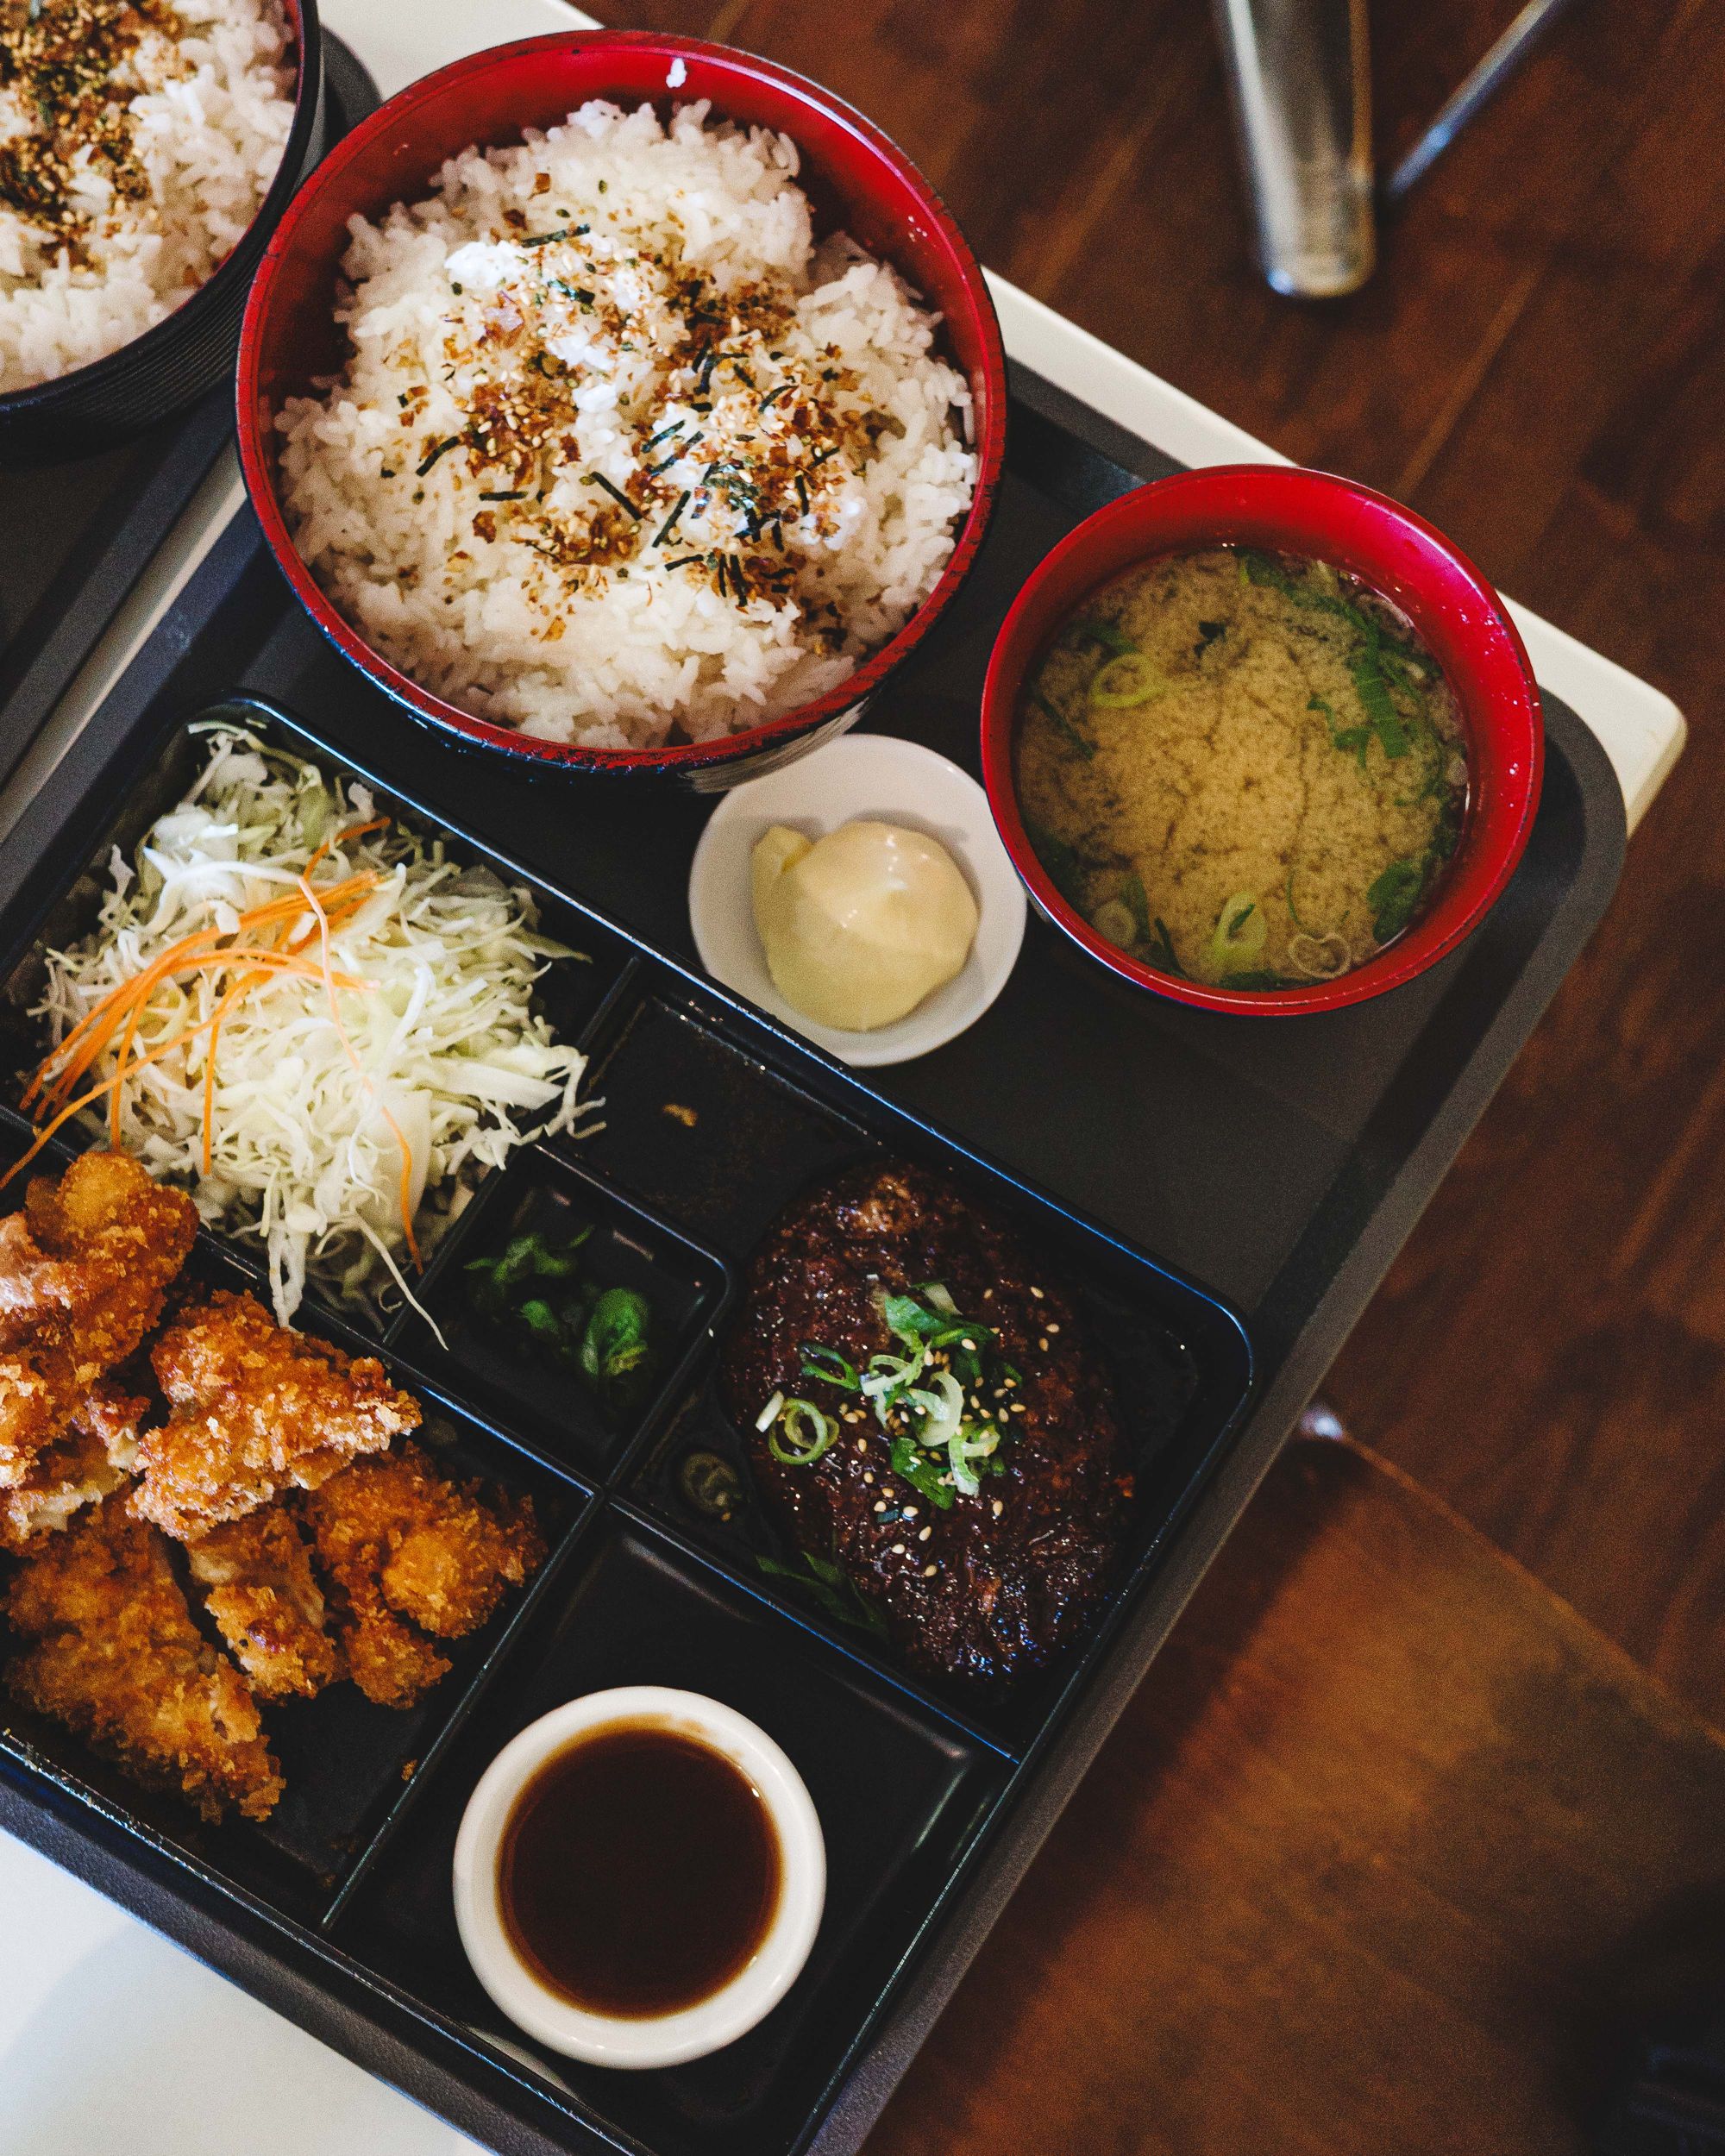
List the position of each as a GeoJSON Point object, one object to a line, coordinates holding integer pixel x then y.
{"type": "Point", "coordinates": [354, 830]}
{"type": "Point", "coordinates": [111, 1010]}
{"type": "Point", "coordinates": [267, 960]}
{"type": "Point", "coordinates": [77, 1107]}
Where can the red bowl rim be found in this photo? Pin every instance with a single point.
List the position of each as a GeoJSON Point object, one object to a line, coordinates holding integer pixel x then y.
{"type": "Point", "coordinates": [258, 461]}
{"type": "Point", "coordinates": [1502, 686]}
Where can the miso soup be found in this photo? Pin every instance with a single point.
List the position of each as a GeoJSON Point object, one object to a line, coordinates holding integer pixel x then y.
{"type": "Point", "coordinates": [1243, 769]}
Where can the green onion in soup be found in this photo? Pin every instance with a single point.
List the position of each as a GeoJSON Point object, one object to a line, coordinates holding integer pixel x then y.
{"type": "Point", "coordinates": [1243, 769]}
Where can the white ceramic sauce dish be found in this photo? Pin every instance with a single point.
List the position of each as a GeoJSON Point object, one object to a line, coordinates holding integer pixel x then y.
{"type": "Point", "coordinates": [863, 776]}
{"type": "Point", "coordinates": [666, 2039]}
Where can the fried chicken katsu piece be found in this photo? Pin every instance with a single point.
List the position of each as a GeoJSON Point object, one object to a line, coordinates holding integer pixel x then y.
{"type": "Point", "coordinates": [82, 1271]}
{"type": "Point", "coordinates": [95, 1457]}
{"type": "Point", "coordinates": [267, 1603]}
{"type": "Point", "coordinates": [399, 1539]}
{"type": "Point", "coordinates": [112, 1652]}
{"type": "Point", "coordinates": [257, 1409]}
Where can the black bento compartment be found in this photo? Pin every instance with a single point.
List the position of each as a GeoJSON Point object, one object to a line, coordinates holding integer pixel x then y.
{"type": "Point", "coordinates": [59, 904]}
{"type": "Point", "coordinates": [698, 1128]}
{"type": "Point", "coordinates": [1177, 1379]}
{"type": "Point", "coordinates": [902, 1796]}
{"type": "Point", "coordinates": [347, 1764]}
{"type": "Point", "coordinates": [550, 1235]}
{"type": "Point", "coordinates": [712, 1121]}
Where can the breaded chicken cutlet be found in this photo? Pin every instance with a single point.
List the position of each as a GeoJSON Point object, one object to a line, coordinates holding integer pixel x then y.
{"type": "Point", "coordinates": [273, 1467]}
{"type": "Point", "coordinates": [82, 1271]}
{"type": "Point", "coordinates": [267, 1603]}
{"type": "Point", "coordinates": [91, 1461]}
{"type": "Point", "coordinates": [399, 1540]}
{"type": "Point", "coordinates": [257, 1409]}
{"type": "Point", "coordinates": [111, 1651]}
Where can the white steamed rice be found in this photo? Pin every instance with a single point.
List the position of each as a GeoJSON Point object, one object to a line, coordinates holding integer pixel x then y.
{"type": "Point", "coordinates": [618, 309]}
{"type": "Point", "coordinates": [210, 105]}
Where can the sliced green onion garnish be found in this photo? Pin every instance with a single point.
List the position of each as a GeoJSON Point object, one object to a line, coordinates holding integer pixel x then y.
{"type": "Point", "coordinates": [1237, 938]}
{"type": "Point", "coordinates": [802, 1450]}
{"type": "Point", "coordinates": [828, 1362]}
{"type": "Point", "coordinates": [888, 1378]}
{"type": "Point", "coordinates": [1393, 897]}
{"type": "Point", "coordinates": [941, 1402]}
{"type": "Point", "coordinates": [1129, 679]}
{"type": "Point", "coordinates": [905, 1317]}
{"type": "Point", "coordinates": [922, 1472]}
{"type": "Point", "coordinates": [1319, 957]}
{"type": "Point", "coordinates": [975, 1441]}
{"type": "Point", "coordinates": [1112, 921]}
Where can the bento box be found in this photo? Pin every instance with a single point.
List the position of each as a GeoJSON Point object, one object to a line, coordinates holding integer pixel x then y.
{"type": "Point", "coordinates": [707, 1129]}
{"type": "Point", "coordinates": [1221, 1203]}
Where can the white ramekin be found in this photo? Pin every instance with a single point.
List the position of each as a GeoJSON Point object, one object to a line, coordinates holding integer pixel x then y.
{"type": "Point", "coordinates": [664, 2039]}
{"type": "Point", "coordinates": [866, 775]}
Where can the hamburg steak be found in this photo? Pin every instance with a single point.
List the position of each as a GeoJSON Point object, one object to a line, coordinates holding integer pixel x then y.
{"type": "Point", "coordinates": [933, 1324]}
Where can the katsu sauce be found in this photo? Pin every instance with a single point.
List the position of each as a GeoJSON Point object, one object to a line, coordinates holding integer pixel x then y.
{"type": "Point", "coordinates": [639, 1873]}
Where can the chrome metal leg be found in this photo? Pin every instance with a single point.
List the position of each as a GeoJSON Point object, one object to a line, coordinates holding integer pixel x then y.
{"type": "Point", "coordinates": [1300, 74]}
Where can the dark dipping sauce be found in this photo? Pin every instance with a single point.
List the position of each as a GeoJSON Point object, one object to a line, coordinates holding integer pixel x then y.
{"type": "Point", "coordinates": [639, 1872]}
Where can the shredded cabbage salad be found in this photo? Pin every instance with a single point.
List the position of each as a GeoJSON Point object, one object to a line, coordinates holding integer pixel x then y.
{"type": "Point", "coordinates": [307, 1015]}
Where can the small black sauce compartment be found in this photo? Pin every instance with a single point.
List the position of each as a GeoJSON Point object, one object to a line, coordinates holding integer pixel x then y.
{"type": "Point", "coordinates": [550, 1196]}
{"type": "Point", "coordinates": [901, 1796]}
{"type": "Point", "coordinates": [1281, 1162]}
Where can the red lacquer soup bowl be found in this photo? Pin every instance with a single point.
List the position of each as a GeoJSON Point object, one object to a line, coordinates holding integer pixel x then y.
{"type": "Point", "coordinates": [1462, 620]}
{"type": "Point", "coordinates": [856, 180]}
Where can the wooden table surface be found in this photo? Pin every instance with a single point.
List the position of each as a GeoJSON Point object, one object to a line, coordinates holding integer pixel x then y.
{"type": "Point", "coordinates": [1539, 366]}
{"type": "Point", "coordinates": [1393, 1855]}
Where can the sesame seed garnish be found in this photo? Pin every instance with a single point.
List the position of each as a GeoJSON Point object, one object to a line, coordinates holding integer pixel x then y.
{"type": "Point", "coordinates": [898, 1549]}
{"type": "Point", "coordinates": [998, 1507]}
{"type": "Point", "coordinates": [1051, 1326]}
{"type": "Point", "coordinates": [1037, 1292]}
{"type": "Point", "coordinates": [928, 1572]}
{"type": "Point", "coordinates": [924, 1534]}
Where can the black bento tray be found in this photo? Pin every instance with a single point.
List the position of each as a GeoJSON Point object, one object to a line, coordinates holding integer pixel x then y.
{"type": "Point", "coordinates": [1281, 1162]}
{"type": "Point", "coordinates": [75, 537]}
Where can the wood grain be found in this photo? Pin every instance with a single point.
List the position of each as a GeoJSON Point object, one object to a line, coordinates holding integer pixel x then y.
{"type": "Point", "coordinates": [1392, 1851]}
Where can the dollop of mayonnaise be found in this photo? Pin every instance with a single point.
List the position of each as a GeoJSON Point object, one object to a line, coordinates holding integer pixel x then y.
{"type": "Point", "coordinates": [859, 926]}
